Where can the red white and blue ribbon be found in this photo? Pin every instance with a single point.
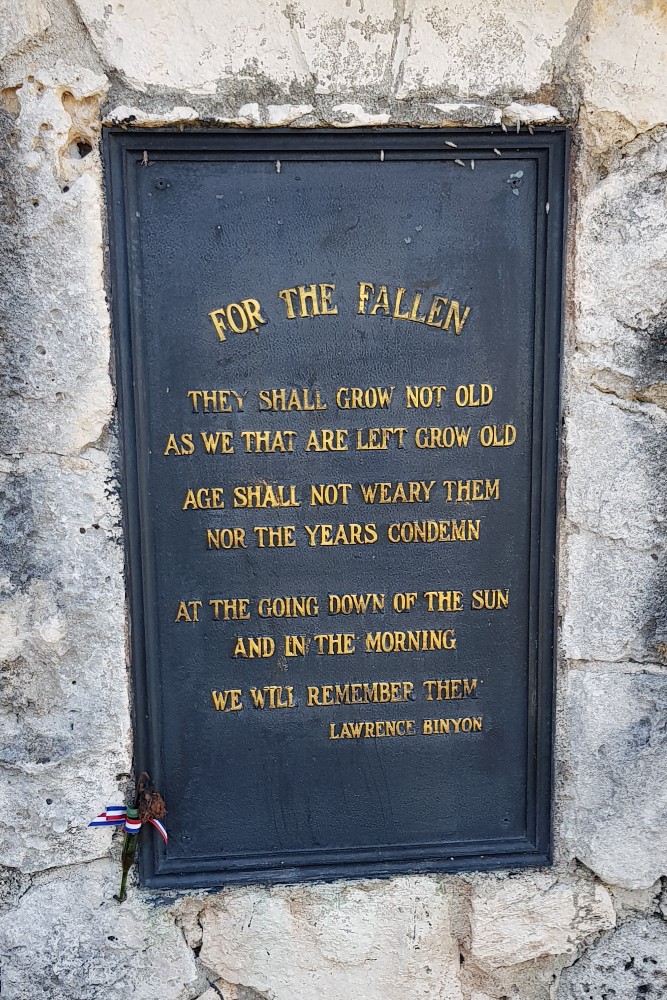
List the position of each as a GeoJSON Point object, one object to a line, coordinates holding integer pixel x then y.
{"type": "Point", "coordinates": [112, 816]}
{"type": "Point", "coordinates": [117, 816]}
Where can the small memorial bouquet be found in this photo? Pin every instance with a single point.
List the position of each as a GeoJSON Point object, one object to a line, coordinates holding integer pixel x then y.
{"type": "Point", "coordinates": [148, 807]}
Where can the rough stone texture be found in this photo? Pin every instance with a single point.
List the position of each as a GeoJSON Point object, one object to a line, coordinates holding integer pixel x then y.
{"type": "Point", "coordinates": [483, 48]}
{"type": "Point", "coordinates": [622, 244]}
{"type": "Point", "coordinates": [68, 938]}
{"type": "Point", "coordinates": [526, 917]}
{"type": "Point", "coordinates": [413, 47]}
{"type": "Point", "coordinates": [349, 942]}
{"type": "Point", "coordinates": [250, 39]}
{"type": "Point", "coordinates": [615, 594]}
{"type": "Point", "coordinates": [625, 60]}
{"type": "Point", "coordinates": [618, 728]}
{"type": "Point", "coordinates": [21, 24]}
{"type": "Point", "coordinates": [630, 902]}
{"type": "Point", "coordinates": [617, 421]}
{"type": "Point", "coordinates": [63, 702]}
{"type": "Point", "coordinates": [69, 65]}
{"type": "Point", "coordinates": [631, 963]}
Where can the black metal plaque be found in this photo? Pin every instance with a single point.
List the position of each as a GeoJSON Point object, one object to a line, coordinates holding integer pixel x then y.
{"type": "Point", "coordinates": [338, 358]}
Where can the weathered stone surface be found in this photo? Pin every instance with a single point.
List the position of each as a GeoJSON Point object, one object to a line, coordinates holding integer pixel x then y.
{"type": "Point", "coordinates": [191, 44]}
{"type": "Point", "coordinates": [468, 113]}
{"type": "Point", "coordinates": [335, 46]}
{"type": "Point", "coordinates": [344, 40]}
{"type": "Point", "coordinates": [621, 280]}
{"type": "Point", "coordinates": [12, 886]}
{"type": "Point", "coordinates": [617, 419]}
{"type": "Point", "coordinates": [228, 991]}
{"type": "Point", "coordinates": [614, 611]}
{"type": "Point", "coordinates": [624, 52]}
{"type": "Point", "coordinates": [623, 443]}
{"type": "Point", "coordinates": [352, 115]}
{"type": "Point", "coordinates": [323, 45]}
{"type": "Point", "coordinates": [630, 963]}
{"type": "Point", "coordinates": [366, 941]}
{"type": "Point", "coordinates": [531, 114]}
{"type": "Point", "coordinates": [521, 918]}
{"type": "Point", "coordinates": [615, 817]}
{"type": "Point", "coordinates": [481, 49]}
{"type": "Point", "coordinates": [64, 707]}
{"type": "Point", "coordinates": [21, 24]}
{"type": "Point", "coordinates": [630, 902]}
{"type": "Point", "coordinates": [68, 937]}
{"type": "Point", "coordinates": [53, 295]}
{"type": "Point", "coordinates": [58, 755]}
{"type": "Point", "coordinates": [616, 606]}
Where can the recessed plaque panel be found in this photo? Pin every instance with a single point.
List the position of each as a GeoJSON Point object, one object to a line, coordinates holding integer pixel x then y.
{"type": "Point", "coordinates": [338, 360]}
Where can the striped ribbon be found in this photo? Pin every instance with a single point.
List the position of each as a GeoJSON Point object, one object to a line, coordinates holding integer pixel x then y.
{"type": "Point", "coordinates": [117, 816]}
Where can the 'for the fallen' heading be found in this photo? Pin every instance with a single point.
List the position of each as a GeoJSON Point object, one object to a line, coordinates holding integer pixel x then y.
{"type": "Point", "coordinates": [307, 301]}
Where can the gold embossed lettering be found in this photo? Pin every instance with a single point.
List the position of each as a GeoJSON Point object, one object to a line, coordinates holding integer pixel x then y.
{"type": "Point", "coordinates": [230, 609]}
{"type": "Point", "coordinates": [327, 440]}
{"type": "Point", "coordinates": [275, 537]}
{"type": "Point", "coordinates": [227, 701]}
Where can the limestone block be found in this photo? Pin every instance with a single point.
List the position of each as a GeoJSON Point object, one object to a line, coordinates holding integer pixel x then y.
{"type": "Point", "coordinates": [359, 941]}
{"type": "Point", "coordinates": [64, 715]}
{"type": "Point", "coordinates": [624, 52]}
{"type": "Point", "coordinates": [53, 308]}
{"type": "Point", "coordinates": [631, 962]}
{"type": "Point", "coordinates": [21, 23]}
{"type": "Point", "coordinates": [616, 446]}
{"type": "Point", "coordinates": [479, 48]}
{"type": "Point", "coordinates": [191, 44]}
{"type": "Point", "coordinates": [615, 755]}
{"type": "Point", "coordinates": [614, 607]}
{"type": "Point", "coordinates": [333, 46]}
{"type": "Point", "coordinates": [616, 464]}
{"type": "Point", "coordinates": [604, 133]}
{"type": "Point", "coordinates": [621, 280]}
{"type": "Point", "coordinates": [518, 919]}
{"type": "Point", "coordinates": [64, 705]}
{"type": "Point", "coordinates": [68, 937]}
{"type": "Point", "coordinates": [349, 45]}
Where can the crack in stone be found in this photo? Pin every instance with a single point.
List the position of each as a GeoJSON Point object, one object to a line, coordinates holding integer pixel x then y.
{"type": "Point", "coordinates": [652, 394]}
{"type": "Point", "coordinates": [572, 37]}
{"type": "Point", "coordinates": [647, 667]}
{"type": "Point", "coordinates": [399, 48]}
{"type": "Point", "coordinates": [640, 398]}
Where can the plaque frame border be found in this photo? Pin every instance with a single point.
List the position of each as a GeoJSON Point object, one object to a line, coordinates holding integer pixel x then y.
{"type": "Point", "coordinates": [123, 147]}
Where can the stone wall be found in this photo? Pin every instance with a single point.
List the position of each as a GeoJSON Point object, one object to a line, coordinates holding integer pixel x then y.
{"type": "Point", "coordinates": [593, 925]}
